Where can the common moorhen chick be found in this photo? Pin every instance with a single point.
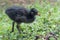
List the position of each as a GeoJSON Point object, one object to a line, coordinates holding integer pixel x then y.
{"type": "Point", "coordinates": [21, 15]}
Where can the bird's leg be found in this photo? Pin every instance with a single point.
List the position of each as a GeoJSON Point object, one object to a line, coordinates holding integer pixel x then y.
{"type": "Point", "coordinates": [18, 28]}
{"type": "Point", "coordinates": [12, 27]}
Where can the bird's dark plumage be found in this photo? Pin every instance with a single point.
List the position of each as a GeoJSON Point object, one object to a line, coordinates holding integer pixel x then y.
{"type": "Point", "coordinates": [21, 14]}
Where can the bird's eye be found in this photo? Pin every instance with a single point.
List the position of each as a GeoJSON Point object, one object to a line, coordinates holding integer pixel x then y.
{"type": "Point", "coordinates": [32, 12]}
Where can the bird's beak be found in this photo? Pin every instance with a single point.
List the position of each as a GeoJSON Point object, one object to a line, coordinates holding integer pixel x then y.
{"type": "Point", "coordinates": [38, 14]}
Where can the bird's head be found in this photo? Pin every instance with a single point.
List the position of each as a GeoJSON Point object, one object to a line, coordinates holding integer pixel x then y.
{"type": "Point", "coordinates": [34, 11]}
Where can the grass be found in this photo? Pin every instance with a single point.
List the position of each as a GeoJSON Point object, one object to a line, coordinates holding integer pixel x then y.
{"type": "Point", "coordinates": [48, 21]}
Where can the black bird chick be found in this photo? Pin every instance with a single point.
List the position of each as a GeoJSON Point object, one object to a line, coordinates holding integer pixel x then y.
{"type": "Point", "coordinates": [21, 15]}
